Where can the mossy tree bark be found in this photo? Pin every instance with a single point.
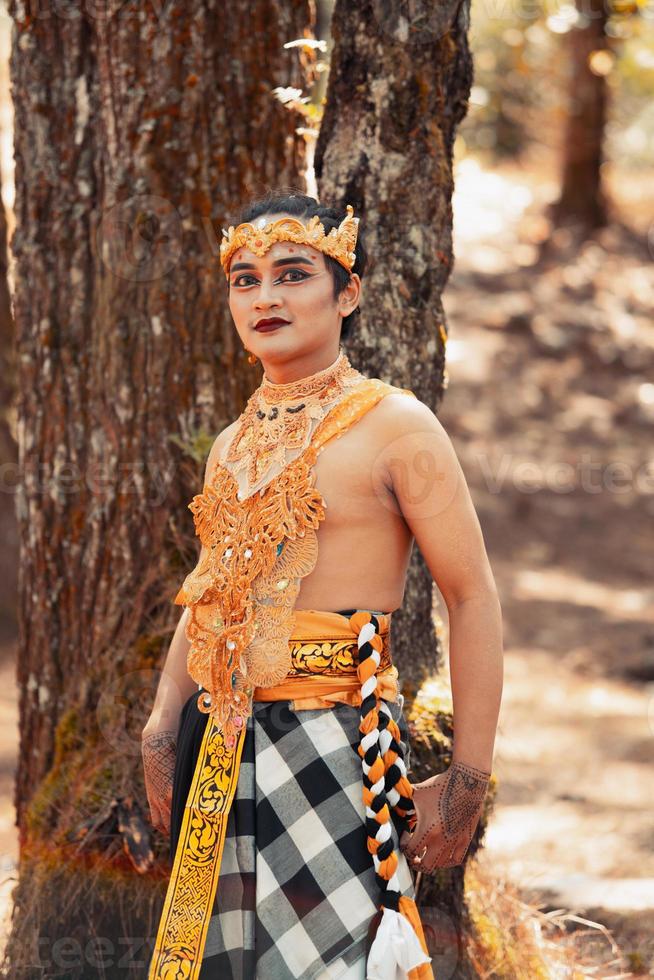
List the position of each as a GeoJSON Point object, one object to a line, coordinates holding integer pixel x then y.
{"type": "Point", "coordinates": [138, 128]}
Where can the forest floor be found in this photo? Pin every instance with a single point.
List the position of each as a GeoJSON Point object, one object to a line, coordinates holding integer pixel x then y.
{"type": "Point", "coordinates": [550, 408]}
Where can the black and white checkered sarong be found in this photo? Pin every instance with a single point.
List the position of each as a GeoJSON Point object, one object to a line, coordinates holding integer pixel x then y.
{"type": "Point", "coordinates": [297, 890]}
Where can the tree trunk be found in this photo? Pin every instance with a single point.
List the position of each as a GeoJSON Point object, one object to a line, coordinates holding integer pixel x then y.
{"type": "Point", "coordinates": [398, 87]}
{"type": "Point", "coordinates": [8, 452]}
{"type": "Point", "coordinates": [582, 202]}
{"type": "Point", "coordinates": [139, 129]}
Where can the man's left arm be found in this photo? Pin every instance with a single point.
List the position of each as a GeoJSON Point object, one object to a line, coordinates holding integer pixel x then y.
{"type": "Point", "coordinates": [421, 469]}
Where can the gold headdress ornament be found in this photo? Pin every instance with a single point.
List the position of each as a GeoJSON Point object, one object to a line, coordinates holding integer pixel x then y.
{"type": "Point", "coordinates": [339, 243]}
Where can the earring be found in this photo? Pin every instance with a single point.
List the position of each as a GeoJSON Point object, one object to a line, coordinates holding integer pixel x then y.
{"type": "Point", "coordinates": [252, 358]}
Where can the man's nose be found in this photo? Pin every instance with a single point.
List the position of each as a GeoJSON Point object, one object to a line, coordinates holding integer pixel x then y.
{"type": "Point", "coordinates": [266, 292]}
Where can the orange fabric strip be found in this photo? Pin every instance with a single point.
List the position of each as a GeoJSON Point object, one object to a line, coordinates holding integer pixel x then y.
{"type": "Point", "coordinates": [322, 692]}
{"type": "Point", "coordinates": [410, 911]}
{"type": "Point", "coordinates": [312, 624]}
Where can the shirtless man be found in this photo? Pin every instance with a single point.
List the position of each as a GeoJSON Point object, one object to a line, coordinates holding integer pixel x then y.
{"type": "Point", "coordinates": [391, 479]}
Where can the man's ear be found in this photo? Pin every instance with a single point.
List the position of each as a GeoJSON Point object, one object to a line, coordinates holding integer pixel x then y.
{"type": "Point", "coordinates": [350, 295]}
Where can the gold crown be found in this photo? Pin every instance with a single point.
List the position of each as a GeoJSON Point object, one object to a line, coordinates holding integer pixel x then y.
{"type": "Point", "coordinates": [258, 237]}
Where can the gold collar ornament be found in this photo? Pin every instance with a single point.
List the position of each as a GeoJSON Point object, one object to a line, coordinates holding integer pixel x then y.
{"type": "Point", "coordinates": [279, 418]}
{"type": "Point", "coordinates": [258, 236]}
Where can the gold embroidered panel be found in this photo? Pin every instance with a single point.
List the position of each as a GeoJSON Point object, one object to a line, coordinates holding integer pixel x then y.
{"type": "Point", "coordinates": [255, 552]}
{"type": "Point", "coordinates": [331, 657]}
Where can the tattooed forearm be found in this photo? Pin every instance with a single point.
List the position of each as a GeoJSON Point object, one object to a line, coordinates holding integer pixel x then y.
{"type": "Point", "coordinates": [462, 798]}
{"type": "Point", "coordinates": [159, 750]}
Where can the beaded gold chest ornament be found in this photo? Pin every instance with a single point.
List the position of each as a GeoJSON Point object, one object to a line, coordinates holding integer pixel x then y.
{"type": "Point", "coordinates": [255, 551]}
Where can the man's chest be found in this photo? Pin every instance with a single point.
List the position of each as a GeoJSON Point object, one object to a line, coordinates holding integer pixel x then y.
{"type": "Point", "coordinates": [351, 476]}
{"type": "Point", "coordinates": [344, 463]}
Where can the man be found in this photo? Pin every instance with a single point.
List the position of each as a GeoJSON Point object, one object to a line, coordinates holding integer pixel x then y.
{"type": "Point", "coordinates": [283, 778]}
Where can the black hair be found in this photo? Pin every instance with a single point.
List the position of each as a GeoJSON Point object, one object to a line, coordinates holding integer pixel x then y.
{"type": "Point", "coordinates": [302, 206]}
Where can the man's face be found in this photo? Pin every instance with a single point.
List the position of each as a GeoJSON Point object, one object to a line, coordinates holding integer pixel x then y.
{"type": "Point", "coordinates": [290, 281]}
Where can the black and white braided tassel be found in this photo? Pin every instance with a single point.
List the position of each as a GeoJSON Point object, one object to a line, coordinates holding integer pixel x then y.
{"type": "Point", "coordinates": [396, 948]}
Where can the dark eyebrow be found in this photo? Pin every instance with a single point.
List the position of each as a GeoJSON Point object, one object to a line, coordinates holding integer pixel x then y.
{"type": "Point", "coordinates": [287, 260]}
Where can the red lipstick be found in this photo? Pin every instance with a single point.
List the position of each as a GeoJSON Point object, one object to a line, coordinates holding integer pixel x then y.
{"type": "Point", "coordinates": [270, 323]}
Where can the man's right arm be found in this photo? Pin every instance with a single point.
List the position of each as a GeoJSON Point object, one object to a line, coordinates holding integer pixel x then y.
{"type": "Point", "coordinates": [159, 736]}
{"type": "Point", "coordinates": [175, 684]}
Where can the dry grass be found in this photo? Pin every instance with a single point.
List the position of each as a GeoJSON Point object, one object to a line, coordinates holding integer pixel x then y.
{"type": "Point", "coordinates": [509, 939]}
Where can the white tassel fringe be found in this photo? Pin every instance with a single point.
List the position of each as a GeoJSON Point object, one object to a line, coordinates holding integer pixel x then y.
{"type": "Point", "coordinates": [395, 950]}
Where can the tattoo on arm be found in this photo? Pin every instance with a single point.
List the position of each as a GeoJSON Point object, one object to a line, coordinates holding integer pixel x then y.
{"type": "Point", "coordinates": [463, 796]}
{"type": "Point", "coordinates": [159, 750]}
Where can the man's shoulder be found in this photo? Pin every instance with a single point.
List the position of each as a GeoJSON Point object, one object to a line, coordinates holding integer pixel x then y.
{"type": "Point", "coordinates": [402, 424]}
{"type": "Point", "coordinates": [402, 411]}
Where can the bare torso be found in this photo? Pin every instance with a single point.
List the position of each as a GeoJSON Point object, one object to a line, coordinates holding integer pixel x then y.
{"type": "Point", "coordinates": [364, 543]}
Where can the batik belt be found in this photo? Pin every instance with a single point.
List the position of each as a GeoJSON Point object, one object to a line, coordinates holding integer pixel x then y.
{"type": "Point", "coordinates": [334, 659]}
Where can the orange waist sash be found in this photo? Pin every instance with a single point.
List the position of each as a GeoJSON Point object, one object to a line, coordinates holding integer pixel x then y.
{"type": "Point", "coordinates": [322, 692]}
{"type": "Point", "coordinates": [324, 663]}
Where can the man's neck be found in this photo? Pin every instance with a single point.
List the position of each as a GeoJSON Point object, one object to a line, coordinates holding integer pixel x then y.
{"type": "Point", "coordinates": [299, 369]}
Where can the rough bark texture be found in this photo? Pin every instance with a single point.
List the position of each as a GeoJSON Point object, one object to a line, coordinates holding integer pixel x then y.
{"type": "Point", "coordinates": [399, 83]}
{"type": "Point", "coordinates": [8, 453]}
{"type": "Point", "coordinates": [139, 129]}
{"type": "Point", "coordinates": [582, 201]}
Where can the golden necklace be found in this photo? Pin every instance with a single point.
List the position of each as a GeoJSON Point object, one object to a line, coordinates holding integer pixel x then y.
{"type": "Point", "coordinates": [280, 418]}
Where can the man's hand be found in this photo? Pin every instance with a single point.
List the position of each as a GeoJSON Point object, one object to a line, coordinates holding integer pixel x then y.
{"type": "Point", "coordinates": [448, 806]}
{"type": "Point", "coordinates": [159, 750]}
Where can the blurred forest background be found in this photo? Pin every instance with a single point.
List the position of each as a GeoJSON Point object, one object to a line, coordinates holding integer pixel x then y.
{"type": "Point", "coordinates": [550, 404]}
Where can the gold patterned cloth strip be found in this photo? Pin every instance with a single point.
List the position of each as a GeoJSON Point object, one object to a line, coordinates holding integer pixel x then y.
{"type": "Point", "coordinates": [321, 645]}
